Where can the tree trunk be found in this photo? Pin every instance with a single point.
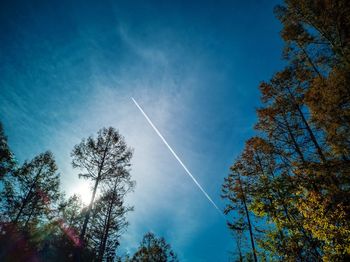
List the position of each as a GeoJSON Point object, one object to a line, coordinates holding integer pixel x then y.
{"type": "Point", "coordinates": [308, 128]}
{"type": "Point", "coordinates": [248, 219]}
{"type": "Point", "coordinates": [107, 225]}
{"type": "Point", "coordinates": [294, 141]}
{"type": "Point", "coordinates": [87, 215]}
{"type": "Point", "coordinates": [26, 199]}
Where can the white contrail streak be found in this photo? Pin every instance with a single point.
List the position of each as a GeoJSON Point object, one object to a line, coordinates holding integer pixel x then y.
{"type": "Point", "coordinates": [175, 155]}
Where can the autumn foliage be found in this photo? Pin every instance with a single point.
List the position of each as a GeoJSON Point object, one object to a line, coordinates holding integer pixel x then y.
{"type": "Point", "coordinates": [294, 175]}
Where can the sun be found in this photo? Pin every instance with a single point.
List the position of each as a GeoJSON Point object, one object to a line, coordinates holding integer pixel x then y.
{"type": "Point", "coordinates": [83, 189]}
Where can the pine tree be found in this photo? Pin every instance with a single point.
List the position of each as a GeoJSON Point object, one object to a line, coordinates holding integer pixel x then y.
{"type": "Point", "coordinates": [273, 190]}
{"type": "Point", "coordinates": [101, 159]}
{"type": "Point", "coordinates": [108, 217]}
{"type": "Point", "coordinates": [64, 232]}
{"type": "Point", "coordinates": [154, 249]}
{"type": "Point", "coordinates": [31, 195]}
{"type": "Point", "coordinates": [234, 190]}
{"type": "Point", "coordinates": [7, 161]}
{"type": "Point", "coordinates": [297, 171]}
{"type": "Point", "coordinates": [318, 41]}
{"type": "Point", "coordinates": [38, 189]}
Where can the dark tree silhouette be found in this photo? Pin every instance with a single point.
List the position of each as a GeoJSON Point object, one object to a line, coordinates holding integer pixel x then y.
{"type": "Point", "coordinates": [38, 188]}
{"type": "Point", "coordinates": [108, 217]}
{"type": "Point", "coordinates": [104, 159]}
{"type": "Point", "coordinates": [28, 209]}
{"type": "Point", "coordinates": [154, 249]}
{"type": "Point", "coordinates": [234, 189]}
{"type": "Point", "coordinates": [7, 162]}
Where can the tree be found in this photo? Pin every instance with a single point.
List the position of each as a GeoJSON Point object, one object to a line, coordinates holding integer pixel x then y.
{"type": "Point", "coordinates": [317, 40]}
{"type": "Point", "coordinates": [7, 162]}
{"type": "Point", "coordinates": [38, 188]}
{"type": "Point", "coordinates": [297, 171]}
{"type": "Point", "coordinates": [234, 189]}
{"type": "Point", "coordinates": [273, 192]}
{"type": "Point", "coordinates": [101, 160]}
{"type": "Point", "coordinates": [64, 232]}
{"type": "Point", "coordinates": [108, 217]}
{"type": "Point", "coordinates": [154, 249]}
{"type": "Point", "coordinates": [31, 196]}
{"type": "Point", "coordinates": [70, 211]}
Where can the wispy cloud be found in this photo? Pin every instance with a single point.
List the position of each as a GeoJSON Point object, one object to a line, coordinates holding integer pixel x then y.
{"type": "Point", "coordinates": [168, 79]}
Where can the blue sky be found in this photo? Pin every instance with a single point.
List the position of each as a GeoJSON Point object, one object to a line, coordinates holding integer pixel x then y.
{"type": "Point", "coordinates": [69, 68]}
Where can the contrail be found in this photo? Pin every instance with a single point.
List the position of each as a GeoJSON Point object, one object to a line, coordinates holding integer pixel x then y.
{"type": "Point", "coordinates": [175, 155]}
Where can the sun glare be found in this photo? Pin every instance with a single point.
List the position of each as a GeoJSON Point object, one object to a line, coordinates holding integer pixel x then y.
{"type": "Point", "coordinates": [83, 189]}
